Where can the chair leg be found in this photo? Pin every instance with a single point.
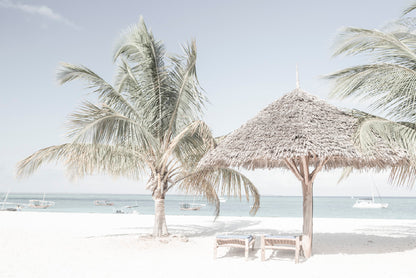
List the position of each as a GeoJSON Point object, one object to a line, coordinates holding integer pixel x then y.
{"type": "Point", "coordinates": [263, 252]}
{"type": "Point", "coordinates": [297, 250]}
{"type": "Point", "coordinates": [247, 247]}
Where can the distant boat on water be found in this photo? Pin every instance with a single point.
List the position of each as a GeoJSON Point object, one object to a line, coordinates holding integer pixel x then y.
{"type": "Point", "coordinates": [191, 206]}
{"type": "Point", "coordinates": [127, 210]}
{"type": "Point", "coordinates": [43, 204]}
{"type": "Point", "coordinates": [222, 199]}
{"type": "Point", "coordinates": [10, 206]}
{"type": "Point", "coordinates": [103, 203]}
{"type": "Point", "coordinates": [369, 203]}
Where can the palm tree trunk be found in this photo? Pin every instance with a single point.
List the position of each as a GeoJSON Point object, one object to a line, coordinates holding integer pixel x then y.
{"type": "Point", "coordinates": [160, 228]}
{"type": "Point", "coordinates": [307, 218]}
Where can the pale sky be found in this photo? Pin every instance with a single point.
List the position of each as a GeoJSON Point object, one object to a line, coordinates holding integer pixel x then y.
{"type": "Point", "coordinates": [247, 55]}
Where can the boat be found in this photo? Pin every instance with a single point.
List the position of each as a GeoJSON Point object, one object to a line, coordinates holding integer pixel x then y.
{"type": "Point", "coordinates": [10, 206]}
{"type": "Point", "coordinates": [369, 203]}
{"type": "Point", "coordinates": [40, 203]}
{"type": "Point", "coordinates": [103, 203]}
{"type": "Point", "coordinates": [17, 208]}
{"type": "Point", "coordinates": [222, 199]}
{"type": "Point", "coordinates": [127, 210]}
{"type": "Point", "coordinates": [191, 206]}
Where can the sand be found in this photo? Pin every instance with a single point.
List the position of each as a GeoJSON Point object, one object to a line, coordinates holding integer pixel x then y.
{"type": "Point", "coordinates": [46, 244]}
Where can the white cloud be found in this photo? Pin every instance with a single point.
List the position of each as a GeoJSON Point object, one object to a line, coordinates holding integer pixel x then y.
{"type": "Point", "coordinates": [43, 11]}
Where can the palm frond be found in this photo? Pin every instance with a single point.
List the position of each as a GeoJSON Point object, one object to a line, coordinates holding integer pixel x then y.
{"type": "Point", "coordinates": [409, 9]}
{"type": "Point", "coordinates": [202, 187]}
{"type": "Point", "coordinates": [392, 88]}
{"type": "Point", "coordinates": [86, 159]}
{"type": "Point", "coordinates": [106, 93]}
{"type": "Point", "coordinates": [346, 172]}
{"type": "Point", "coordinates": [126, 81]}
{"type": "Point", "coordinates": [190, 144]}
{"type": "Point", "coordinates": [138, 46]}
{"type": "Point", "coordinates": [399, 136]}
{"type": "Point", "coordinates": [372, 130]}
{"type": "Point", "coordinates": [103, 125]}
{"type": "Point", "coordinates": [226, 181]}
{"type": "Point", "coordinates": [384, 47]}
{"type": "Point", "coordinates": [188, 100]}
{"type": "Point", "coordinates": [403, 175]}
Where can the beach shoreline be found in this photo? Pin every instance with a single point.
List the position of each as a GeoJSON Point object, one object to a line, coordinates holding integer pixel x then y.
{"type": "Point", "coordinates": [42, 244]}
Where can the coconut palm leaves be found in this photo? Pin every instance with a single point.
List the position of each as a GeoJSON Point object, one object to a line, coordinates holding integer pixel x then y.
{"type": "Point", "coordinates": [409, 9]}
{"type": "Point", "coordinates": [87, 159]}
{"type": "Point", "coordinates": [388, 81]}
{"type": "Point", "coordinates": [148, 124]}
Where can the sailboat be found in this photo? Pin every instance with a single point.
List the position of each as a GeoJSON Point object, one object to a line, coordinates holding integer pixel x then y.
{"type": "Point", "coordinates": [40, 203]}
{"type": "Point", "coordinates": [16, 206]}
{"type": "Point", "coordinates": [191, 206]}
{"type": "Point", "coordinates": [369, 202]}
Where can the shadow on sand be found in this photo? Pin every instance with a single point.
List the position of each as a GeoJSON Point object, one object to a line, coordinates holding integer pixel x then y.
{"type": "Point", "coordinates": [375, 240]}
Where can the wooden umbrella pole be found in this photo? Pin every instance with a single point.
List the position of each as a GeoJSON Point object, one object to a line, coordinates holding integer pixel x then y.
{"type": "Point", "coordinates": [301, 171]}
{"type": "Point", "coordinates": [307, 190]}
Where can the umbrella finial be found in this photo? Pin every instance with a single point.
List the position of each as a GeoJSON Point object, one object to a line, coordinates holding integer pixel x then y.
{"type": "Point", "coordinates": [297, 77]}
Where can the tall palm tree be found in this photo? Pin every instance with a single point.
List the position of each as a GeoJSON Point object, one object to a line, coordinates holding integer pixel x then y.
{"type": "Point", "coordinates": [148, 124]}
{"type": "Point", "coordinates": [389, 81]}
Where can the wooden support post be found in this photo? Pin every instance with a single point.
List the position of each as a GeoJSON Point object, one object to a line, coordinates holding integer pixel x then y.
{"type": "Point", "coordinates": [300, 167]}
{"type": "Point", "coordinates": [297, 250]}
{"type": "Point", "coordinates": [307, 219]}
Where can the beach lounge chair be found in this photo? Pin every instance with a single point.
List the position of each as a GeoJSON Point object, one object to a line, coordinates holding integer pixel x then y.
{"type": "Point", "coordinates": [239, 241]}
{"type": "Point", "coordinates": [282, 243]}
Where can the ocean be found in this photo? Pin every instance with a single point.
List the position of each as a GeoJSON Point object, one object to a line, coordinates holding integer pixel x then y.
{"type": "Point", "coordinates": [270, 206]}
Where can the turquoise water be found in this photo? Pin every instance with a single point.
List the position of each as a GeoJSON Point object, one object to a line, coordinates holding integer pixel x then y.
{"type": "Point", "coordinates": [271, 206]}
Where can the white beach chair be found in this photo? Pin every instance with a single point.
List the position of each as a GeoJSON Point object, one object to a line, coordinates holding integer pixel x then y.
{"type": "Point", "coordinates": [238, 241]}
{"type": "Point", "coordinates": [281, 242]}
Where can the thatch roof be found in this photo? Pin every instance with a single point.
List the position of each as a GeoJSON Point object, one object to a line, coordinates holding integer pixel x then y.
{"type": "Point", "coordinates": [298, 124]}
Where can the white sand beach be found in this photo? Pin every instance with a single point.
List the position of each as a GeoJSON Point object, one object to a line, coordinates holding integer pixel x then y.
{"type": "Point", "coordinates": [42, 244]}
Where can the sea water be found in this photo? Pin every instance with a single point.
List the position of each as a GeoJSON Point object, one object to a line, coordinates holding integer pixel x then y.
{"type": "Point", "coordinates": [270, 206]}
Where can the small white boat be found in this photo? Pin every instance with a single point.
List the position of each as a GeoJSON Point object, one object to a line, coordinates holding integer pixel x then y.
{"type": "Point", "coordinates": [17, 208]}
{"type": "Point", "coordinates": [191, 206]}
{"type": "Point", "coordinates": [127, 210]}
{"type": "Point", "coordinates": [40, 203]}
{"type": "Point", "coordinates": [10, 206]}
{"type": "Point", "coordinates": [103, 203]}
{"type": "Point", "coordinates": [222, 199]}
{"type": "Point", "coordinates": [369, 203]}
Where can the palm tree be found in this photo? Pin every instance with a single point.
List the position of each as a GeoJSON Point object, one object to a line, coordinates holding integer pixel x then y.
{"type": "Point", "coordinates": [147, 125]}
{"type": "Point", "coordinates": [389, 81]}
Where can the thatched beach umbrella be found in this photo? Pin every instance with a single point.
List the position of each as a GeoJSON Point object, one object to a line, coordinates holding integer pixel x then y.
{"type": "Point", "coordinates": [304, 134]}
